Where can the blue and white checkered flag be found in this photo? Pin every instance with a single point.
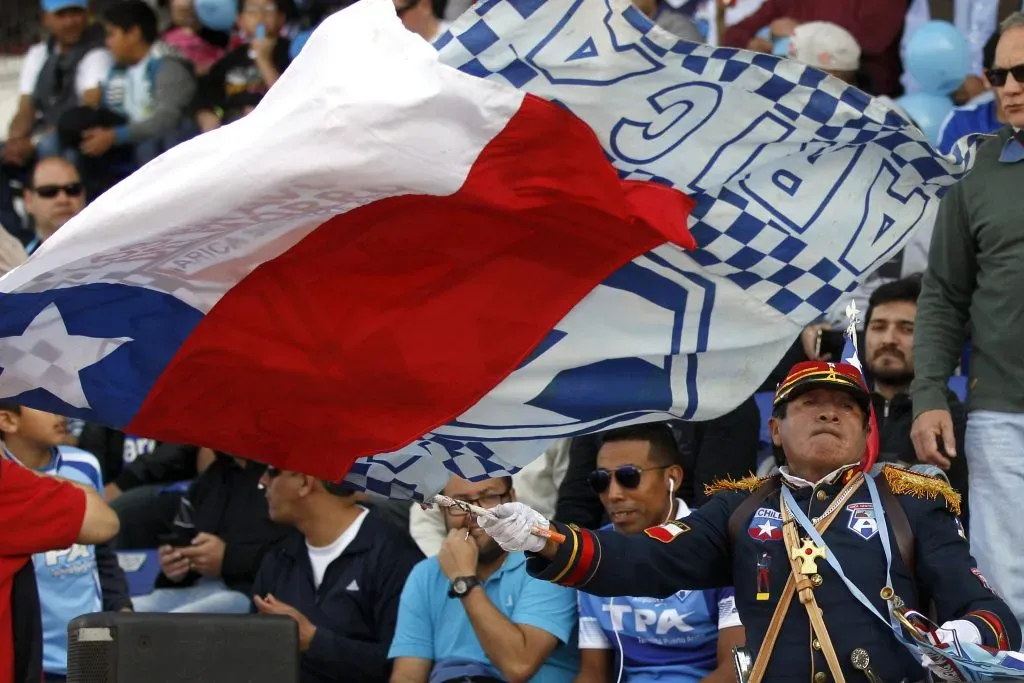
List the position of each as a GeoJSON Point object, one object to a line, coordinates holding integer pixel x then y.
{"type": "Point", "coordinates": [804, 185]}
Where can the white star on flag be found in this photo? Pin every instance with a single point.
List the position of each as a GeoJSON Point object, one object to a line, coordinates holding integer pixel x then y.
{"type": "Point", "coordinates": [766, 529]}
{"type": "Point", "coordinates": [53, 358]}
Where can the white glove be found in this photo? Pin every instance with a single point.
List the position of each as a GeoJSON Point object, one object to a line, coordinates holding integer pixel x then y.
{"type": "Point", "coordinates": [966, 632]}
{"type": "Point", "coordinates": [512, 524]}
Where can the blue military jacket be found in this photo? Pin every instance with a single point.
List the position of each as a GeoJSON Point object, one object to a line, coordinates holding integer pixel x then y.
{"type": "Point", "coordinates": [698, 553]}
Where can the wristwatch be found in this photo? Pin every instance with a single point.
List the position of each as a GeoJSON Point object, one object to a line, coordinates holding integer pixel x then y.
{"type": "Point", "coordinates": [462, 585]}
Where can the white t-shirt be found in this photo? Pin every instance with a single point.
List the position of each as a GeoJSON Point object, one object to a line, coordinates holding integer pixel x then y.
{"type": "Point", "coordinates": [92, 70]}
{"type": "Point", "coordinates": [321, 558]}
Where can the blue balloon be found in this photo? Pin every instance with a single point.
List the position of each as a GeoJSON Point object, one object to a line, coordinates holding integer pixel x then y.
{"type": "Point", "coordinates": [927, 110]}
{"type": "Point", "coordinates": [217, 15]}
{"type": "Point", "coordinates": [298, 42]}
{"type": "Point", "coordinates": [938, 57]}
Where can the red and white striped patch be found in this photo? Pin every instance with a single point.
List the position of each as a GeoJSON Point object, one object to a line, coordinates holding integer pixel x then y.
{"type": "Point", "coordinates": [666, 533]}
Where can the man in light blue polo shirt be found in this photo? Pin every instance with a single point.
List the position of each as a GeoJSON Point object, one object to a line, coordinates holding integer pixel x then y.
{"type": "Point", "coordinates": [472, 613]}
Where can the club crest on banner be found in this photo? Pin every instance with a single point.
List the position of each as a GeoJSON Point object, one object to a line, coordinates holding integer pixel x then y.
{"type": "Point", "coordinates": [862, 520]}
{"type": "Point", "coordinates": [766, 525]}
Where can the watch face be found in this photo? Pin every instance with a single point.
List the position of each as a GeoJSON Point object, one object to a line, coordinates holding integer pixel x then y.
{"type": "Point", "coordinates": [459, 585]}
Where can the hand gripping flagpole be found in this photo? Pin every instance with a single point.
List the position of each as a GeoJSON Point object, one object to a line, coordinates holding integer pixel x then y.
{"type": "Point", "coordinates": [449, 502]}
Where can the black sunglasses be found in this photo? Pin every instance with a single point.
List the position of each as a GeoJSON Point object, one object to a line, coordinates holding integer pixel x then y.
{"type": "Point", "coordinates": [628, 477]}
{"type": "Point", "coordinates": [273, 472]}
{"type": "Point", "coordinates": [997, 76]}
{"type": "Point", "coordinates": [51, 191]}
{"type": "Point", "coordinates": [406, 7]}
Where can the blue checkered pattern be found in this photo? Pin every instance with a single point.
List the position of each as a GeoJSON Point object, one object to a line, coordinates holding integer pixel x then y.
{"type": "Point", "coordinates": [803, 185]}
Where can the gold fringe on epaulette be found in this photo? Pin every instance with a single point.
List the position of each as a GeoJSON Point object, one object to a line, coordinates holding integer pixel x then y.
{"type": "Point", "coordinates": [903, 481]}
{"type": "Point", "coordinates": [746, 485]}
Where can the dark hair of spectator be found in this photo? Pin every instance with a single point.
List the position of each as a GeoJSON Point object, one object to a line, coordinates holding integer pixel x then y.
{"type": "Point", "coordinates": [664, 449]}
{"type": "Point", "coordinates": [288, 8]}
{"type": "Point", "coordinates": [128, 14]}
{"type": "Point", "coordinates": [907, 289]}
{"type": "Point", "coordinates": [988, 53]}
{"type": "Point", "coordinates": [338, 488]}
{"type": "Point", "coordinates": [10, 407]}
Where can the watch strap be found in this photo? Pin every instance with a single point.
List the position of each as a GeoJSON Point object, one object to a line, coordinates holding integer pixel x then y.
{"type": "Point", "coordinates": [469, 582]}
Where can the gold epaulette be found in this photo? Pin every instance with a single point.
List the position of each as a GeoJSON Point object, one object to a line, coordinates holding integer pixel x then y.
{"type": "Point", "coordinates": [746, 485]}
{"type": "Point", "coordinates": [903, 481]}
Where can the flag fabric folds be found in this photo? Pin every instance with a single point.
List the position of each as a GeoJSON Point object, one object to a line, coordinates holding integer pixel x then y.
{"type": "Point", "coordinates": [406, 264]}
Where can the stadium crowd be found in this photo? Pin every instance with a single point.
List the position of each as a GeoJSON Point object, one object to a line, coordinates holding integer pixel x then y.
{"type": "Point", "coordinates": [387, 591]}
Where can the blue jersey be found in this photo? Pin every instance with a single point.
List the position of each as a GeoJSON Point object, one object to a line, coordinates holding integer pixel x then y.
{"type": "Point", "coordinates": [68, 579]}
{"type": "Point", "coordinates": [977, 116]}
{"type": "Point", "coordinates": [659, 639]}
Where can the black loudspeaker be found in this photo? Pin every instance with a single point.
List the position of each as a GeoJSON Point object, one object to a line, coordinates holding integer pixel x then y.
{"type": "Point", "coordinates": [123, 647]}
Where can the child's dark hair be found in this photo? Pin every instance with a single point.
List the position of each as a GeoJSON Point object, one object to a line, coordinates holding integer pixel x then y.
{"type": "Point", "coordinates": [128, 14]}
{"type": "Point", "coordinates": [10, 406]}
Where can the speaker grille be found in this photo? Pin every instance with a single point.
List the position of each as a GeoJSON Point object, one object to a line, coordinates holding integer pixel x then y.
{"type": "Point", "coordinates": [120, 647]}
{"type": "Point", "coordinates": [90, 661]}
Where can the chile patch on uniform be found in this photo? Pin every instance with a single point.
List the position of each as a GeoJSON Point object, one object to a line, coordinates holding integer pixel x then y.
{"type": "Point", "coordinates": [668, 532]}
{"type": "Point", "coordinates": [862, 520]}
{"type": "Point", "coordinates": [981, 577]}
{"type": "Point", "coordinates": [766, 525]}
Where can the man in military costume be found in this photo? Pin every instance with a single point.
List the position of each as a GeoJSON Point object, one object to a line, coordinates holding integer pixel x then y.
{"type": "Point", "coordinates": [817, 601]}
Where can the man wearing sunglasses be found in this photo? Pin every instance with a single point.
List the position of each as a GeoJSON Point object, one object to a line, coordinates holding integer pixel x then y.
{"type": "Point", "coordinates": [815, 574]}
{"type": "Point", "coordinates": [338, 576]}
{"type": "Point", "coordinates": [54, 195]}
{"type": "Point", "coordinates": [974, 275]}
{"type": "Point", "coordinates": [686, 637]}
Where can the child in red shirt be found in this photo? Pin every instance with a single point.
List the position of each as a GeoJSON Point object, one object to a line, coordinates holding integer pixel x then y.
{"type": "Point", "coordinates": [37, 513]}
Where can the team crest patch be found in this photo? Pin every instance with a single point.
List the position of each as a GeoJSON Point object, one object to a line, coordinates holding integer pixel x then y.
{"type": "Point", "coordinates": [981, 577]}
{"type": "Point", "coordinates": [766, 525]}
{"type": "Point", "coordinates": [862, 520]}
{"type": "Point", "coordinates": [668, 532]}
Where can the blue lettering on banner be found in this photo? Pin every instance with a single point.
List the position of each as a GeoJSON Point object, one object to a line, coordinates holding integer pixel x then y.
{"type": "Point", "coordinates": [680, 111]}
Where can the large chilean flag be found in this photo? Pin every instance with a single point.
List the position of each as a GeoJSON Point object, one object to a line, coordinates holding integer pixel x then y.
{"type": "Point", "coordinates": [308, 299]}
{"type": "Point", "coordinates": [401, 265]}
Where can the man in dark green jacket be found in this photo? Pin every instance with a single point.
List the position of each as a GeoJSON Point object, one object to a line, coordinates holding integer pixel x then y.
{"type": "Point", "coordinates": [976, 275]}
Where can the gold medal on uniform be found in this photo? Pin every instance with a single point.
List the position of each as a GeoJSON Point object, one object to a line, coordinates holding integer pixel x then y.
{"type": "Point", "coordinates": [808, 554]}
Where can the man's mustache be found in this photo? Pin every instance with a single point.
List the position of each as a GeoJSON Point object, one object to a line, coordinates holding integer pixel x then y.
{"type": "Point", "coordinates": [890, 350]}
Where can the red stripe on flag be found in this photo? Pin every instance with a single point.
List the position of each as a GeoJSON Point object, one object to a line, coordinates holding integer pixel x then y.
{"type": "Point", "coordinates": [394, 318]}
